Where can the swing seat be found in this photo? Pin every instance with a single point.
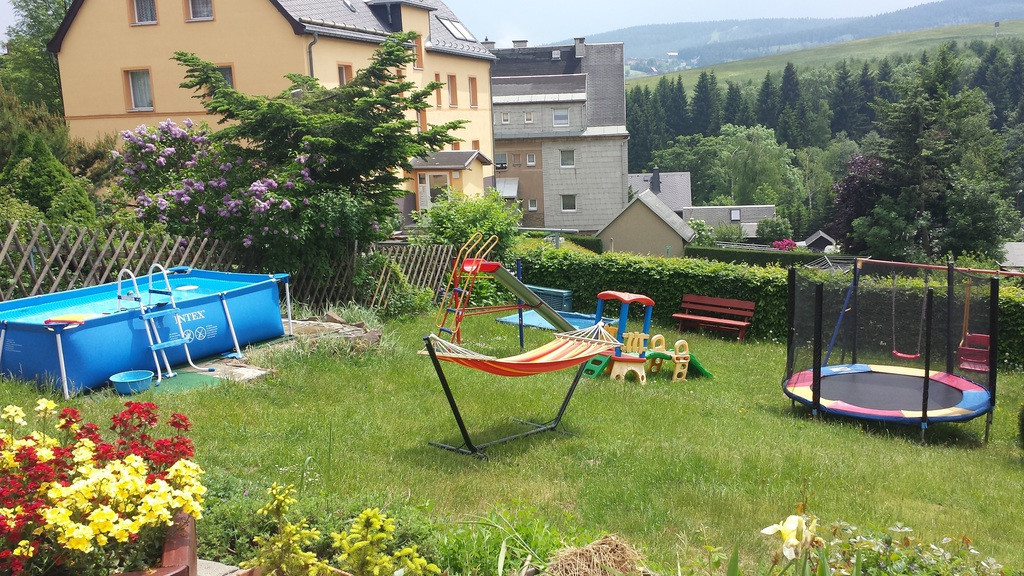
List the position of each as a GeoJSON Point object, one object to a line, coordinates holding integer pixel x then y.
{"type": "Point", "coordinates": [973, 353]}
{"type": "Point", "coordinates": [904, 355]}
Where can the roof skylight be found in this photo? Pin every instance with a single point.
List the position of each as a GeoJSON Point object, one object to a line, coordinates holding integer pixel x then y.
{"type": "Point", "coordinates": [457, 29]}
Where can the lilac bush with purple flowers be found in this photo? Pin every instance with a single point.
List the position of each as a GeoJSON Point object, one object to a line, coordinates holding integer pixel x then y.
{"type": "Point", "coordinates": [189, 184]}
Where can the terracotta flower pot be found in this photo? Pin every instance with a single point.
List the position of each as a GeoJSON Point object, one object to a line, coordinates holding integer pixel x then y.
{"type": "Point", "coordinates": [179, 558]}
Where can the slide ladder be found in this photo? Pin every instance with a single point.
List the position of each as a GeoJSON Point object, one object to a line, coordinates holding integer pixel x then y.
{"type": "Point", "coordinates": [468, 264]}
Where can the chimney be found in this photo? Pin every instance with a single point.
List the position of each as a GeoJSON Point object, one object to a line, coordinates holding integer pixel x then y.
{"type": "Point", "coordinates": [656, 181]}
{"type": "Point", "coordinates": [519, 43]}
{"type": "Point", "coordinates": [487, 44]}
{"type": "Point", "coordinates": [581, 48]}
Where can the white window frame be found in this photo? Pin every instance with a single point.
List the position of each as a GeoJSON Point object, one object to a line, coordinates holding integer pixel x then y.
{"type": "Point", "coordinates": [556, 114]}
{"type": "Point", "coordinates": [531, 159]}
{"type": "Point", "coordinates": [131, 91]}
{"type": "Point", "coordinates": [528, 117]}
{"type": "Point", "coordinates": [192, 4]}
{"type": "Point", "coordinates": [136, 16]}
{"type": "Point", "coordinates": [531, 204]}
{"type": "Point", "coordinates": [498, 164]}
{"type": "Point", "coordinates": [562, 158]}
{"type": "Point", "coordinates": [734, 214]}
{"type": "Point", "coordinates": [565, 197]}
{"type": "Point", "coordinates": [506, 118]}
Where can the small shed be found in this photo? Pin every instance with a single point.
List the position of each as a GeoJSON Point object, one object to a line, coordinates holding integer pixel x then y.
{"type": "Point", "coordinates": [647, 226]}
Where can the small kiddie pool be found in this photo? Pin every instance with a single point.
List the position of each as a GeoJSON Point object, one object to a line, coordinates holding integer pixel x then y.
{"type": "Point", "coordinates": [79, 338]}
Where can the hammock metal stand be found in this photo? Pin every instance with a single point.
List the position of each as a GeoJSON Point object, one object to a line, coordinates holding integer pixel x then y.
{"type": "Point", "coordinates": [470, 448]}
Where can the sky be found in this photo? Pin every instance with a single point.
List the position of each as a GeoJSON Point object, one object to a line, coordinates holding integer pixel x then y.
{"type": "Point", "coordinates": [543, 21]}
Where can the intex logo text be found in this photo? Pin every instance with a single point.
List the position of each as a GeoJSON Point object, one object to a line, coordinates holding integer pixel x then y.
{"type": "Point", "coordinates": [191, 316]}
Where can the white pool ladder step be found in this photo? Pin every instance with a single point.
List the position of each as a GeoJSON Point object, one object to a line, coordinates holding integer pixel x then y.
{"type": "Point", "coordinates": [154, 312]}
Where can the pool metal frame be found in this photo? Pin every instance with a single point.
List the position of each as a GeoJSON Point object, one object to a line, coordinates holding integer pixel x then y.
{"type": "Point", "coordinates": [135, 313]}
{"type": "Point", "coordinates": [928, 375]}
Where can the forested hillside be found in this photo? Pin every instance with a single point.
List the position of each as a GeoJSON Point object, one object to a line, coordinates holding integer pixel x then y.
{"type": "Point", "coordinates": [909, 157]}
{"type": "Point", "coordinates": [707, 43]}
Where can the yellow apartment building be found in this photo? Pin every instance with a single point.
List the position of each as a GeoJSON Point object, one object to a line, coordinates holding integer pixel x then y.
{"type": "Point", "coordinates": [116, 70]}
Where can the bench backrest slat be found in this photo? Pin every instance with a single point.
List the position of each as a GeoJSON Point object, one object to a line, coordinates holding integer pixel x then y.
{"type": "Point", "coordinates": [742, 308]}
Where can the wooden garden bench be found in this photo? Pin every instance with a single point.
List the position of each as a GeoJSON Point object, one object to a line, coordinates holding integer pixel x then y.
{"type": "Point", "coordinates": [724, 314]}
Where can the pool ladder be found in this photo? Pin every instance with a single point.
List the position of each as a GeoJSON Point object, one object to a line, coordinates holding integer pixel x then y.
{"type": "Point", "coordinates": [151, 313]}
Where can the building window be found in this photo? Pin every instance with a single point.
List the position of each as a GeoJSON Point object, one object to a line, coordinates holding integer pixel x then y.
{"type": "Point", "coordinates": [140, 90]}
{"type": "Point", "coordinates": [517, 160]}
{"type": "Point", "coordinates": [437, 93]}
{"type": "Point", "coordinates": [568, 202]}
{"type": "Point", "coordinates": [456, 145]}
{"type": "Point", "coordinates": [453, 91]}
{"type": "Point", "coordinates": [200, 9]}
{"type": "Point", "coordinates": [531, 204]}
{"type": "Point", "coordinates": [505, 118]}
{"type": "Point", "coordinates": [421, 118]}
{"type": "Point", "coordinates": [145, 11]}
{"type": "Point", "coordinates": [531, 159]}
{"type": "Point", "coordinates": [472, 92]}
{"type": "Point", "coordinates": [500, 160]}
{"type": "Point", "coordinates": [228, 74]}
{"type": "Point", "coordinates": [476, 145]}
{"type": "Point", "coordinates": [528, 117]}
{"type": "Point", "coordinates": [567, 158]}
{"type": "Point", "coordinates": [561, 117]}
{"type": "Point", "coordinates": [556, 54]}
{"type": "Point", "coordinates": [418, 51]}
{"type": "Point", "coordinates": [734, 214]}
{"type": "Point", "coordinates": [344, 74]}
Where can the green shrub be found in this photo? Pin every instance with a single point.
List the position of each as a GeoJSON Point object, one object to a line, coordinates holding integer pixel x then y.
{"type": "Point", "coordinates": [772, 229]}
{"type": "Point", "coordinates": [729, 233]}
{"type": "Point", "coordinates": [705, 234]}
{"type": "Point", "coordinates": [454, 218]}
{"type": "Point", "coordinates": [752, 257]}
{"type": "Point", "coordinates": [402, 298]}
{"type": "Point", "coordinates": [592, 243]}
{"type": "Point", "coordinates": [41, 179]}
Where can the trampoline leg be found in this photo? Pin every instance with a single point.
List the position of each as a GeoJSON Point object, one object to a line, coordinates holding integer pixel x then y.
{"type": "Point", "coordinates": [988, 425]}
{"type": "Point", "coordinates": [924, 426]}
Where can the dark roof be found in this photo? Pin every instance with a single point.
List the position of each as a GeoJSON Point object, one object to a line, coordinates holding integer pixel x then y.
{"type": "Point", "coordinates": [601, 63]}
{"type": "Point", "coordinates": [449, 160]}
{"type": "Point", "coordinates": [537, 85]}
{"type": "Point", "coordinates": [359, 20]}
{"type": "Point", "coordinates": [675, 188]}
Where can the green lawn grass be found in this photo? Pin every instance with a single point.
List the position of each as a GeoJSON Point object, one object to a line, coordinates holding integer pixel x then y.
{"type": "Point", "coordinates": [660, 463]}
{"type": "Point", "coordinates": [867, 49]}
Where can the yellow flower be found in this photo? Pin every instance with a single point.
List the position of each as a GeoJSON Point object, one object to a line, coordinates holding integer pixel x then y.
{"type": "Point", "coordinates": [25, 549]}
{"type": "Point", "coordinates": [14, 414]}
{"type": "Point", "coordinates": [797, 535]}
{"type": "Point", "coordinates": [45, 407]}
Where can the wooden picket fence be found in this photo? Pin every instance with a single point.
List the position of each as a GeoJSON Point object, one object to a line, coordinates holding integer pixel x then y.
{"type": "Point", "coordinates": [39, 258]}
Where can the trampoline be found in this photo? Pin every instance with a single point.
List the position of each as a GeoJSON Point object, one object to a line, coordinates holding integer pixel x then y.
{"type": "Point", "coordinates": [862, 348]}
{"type": "Point", "coordinates": [890, 393]}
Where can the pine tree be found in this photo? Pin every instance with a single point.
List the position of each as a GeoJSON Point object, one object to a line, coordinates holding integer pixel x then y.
{"type": "Point", "coordinates": [736, 109]}
{"type": "Point", "coordinates": [706, 107]}
{"type": "Point", "coordinates": [846, 100]}
{"type": "Point", "coordinates": [766, 108]}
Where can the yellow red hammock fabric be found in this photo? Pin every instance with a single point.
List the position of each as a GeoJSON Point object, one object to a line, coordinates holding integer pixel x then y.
{"type": "Point", "coordinates": [566, 350]}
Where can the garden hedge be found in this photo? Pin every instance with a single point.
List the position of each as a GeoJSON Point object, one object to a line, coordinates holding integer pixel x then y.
{"type": "Point", "coordinates": [755, 257]}
{"type": "Point", "coordinates": [666, 279]}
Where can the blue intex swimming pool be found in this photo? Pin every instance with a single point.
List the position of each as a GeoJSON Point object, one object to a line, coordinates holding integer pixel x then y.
{"type": "Point", "coordinates": [79, 338]}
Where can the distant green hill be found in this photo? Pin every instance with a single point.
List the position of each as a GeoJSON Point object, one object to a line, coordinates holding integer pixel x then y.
{"type": "Point", "coordinates": [754, 70]}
